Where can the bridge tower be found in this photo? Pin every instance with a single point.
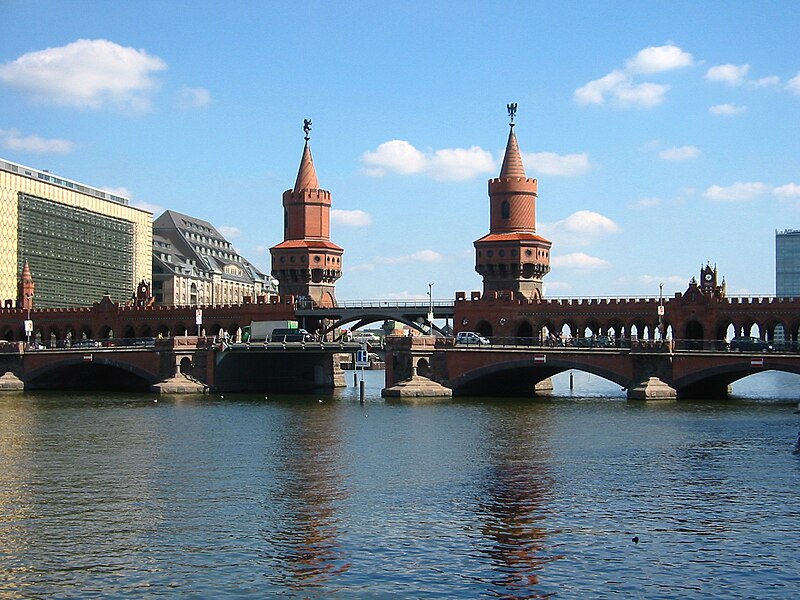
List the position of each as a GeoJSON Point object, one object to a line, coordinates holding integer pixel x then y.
{"type": "Point", "coordinates": [511, 257]}
{"type": "Point", "coordinates": [306, 263]}
{"type": "Point", "coordinates": [26, 288]}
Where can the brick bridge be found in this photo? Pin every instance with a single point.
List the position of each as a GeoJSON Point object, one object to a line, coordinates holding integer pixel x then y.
{"type": "Point", "coordinates": [647, 370]}
{"type": "Point", "coordinates": [659, 347]}
{"type": "Point", "coordinates": [691, 360]}
{"type": "Point", "coordinates": [184, 364]}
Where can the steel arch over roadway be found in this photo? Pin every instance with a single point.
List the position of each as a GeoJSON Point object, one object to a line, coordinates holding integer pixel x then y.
{"type": "Point", "coordinates": [413, 314]}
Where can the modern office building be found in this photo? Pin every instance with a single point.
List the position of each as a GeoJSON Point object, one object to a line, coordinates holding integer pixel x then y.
{"type": "Point", "coordinates": [80, 242]}
{"type": "Point", "coordinates": [193, 264]}
{"type": "Point", "coordinates": [787, 263]}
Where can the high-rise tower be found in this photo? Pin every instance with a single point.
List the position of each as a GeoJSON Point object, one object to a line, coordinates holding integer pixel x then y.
{"type": "Point", "coordinates": [306, 263]}
{"type": "Point", "coordinates": [511, 257]}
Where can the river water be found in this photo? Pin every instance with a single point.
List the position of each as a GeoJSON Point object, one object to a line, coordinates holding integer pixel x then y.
{"type": "Point", "coordinates": [582, 495]}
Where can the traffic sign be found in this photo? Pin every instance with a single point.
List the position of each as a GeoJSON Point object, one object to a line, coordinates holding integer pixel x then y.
{"type": "Point", "coordinates": [362, 358]}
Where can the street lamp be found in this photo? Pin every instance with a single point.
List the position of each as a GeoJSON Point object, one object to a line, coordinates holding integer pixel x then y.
{"type": "Point", "coordinates": [430, 306]}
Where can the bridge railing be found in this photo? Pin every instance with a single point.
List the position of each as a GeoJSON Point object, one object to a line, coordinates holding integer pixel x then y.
{"type": "Point", "coordinates": [631, 344]}
{"type": "Point", "coordinates": [420, 303]}
{"type": "Point", "coordinates": [127, 343]}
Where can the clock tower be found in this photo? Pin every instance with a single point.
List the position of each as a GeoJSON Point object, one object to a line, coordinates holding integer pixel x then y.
{"type": "Point", "coordinates": [709, 281]}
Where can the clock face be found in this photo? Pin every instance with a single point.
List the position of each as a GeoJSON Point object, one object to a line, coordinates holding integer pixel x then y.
{"type": "Point", "coordinates": [708, 276]}
{"type": "Point", "coordinates": [143, 289]}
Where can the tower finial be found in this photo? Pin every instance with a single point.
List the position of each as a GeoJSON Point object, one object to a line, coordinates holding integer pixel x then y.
{"type": "Point", "coordinates": [512, 112]}
{"type": "Point", "coordinates": [306, 127]}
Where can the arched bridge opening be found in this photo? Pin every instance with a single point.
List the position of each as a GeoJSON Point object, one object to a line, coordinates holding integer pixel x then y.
{"type": "Point", "coordinates": [519, 378]}
{"type": "Point", "coordinates": [715, 383]}
{"type": "Point", "coordinates": [94, 375]}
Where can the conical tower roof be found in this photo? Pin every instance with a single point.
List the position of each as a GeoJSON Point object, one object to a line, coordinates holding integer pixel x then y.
{"type": "Point", "coordinates": [512, 161]}
{"type": "Point", "coordinates": [307, 175]}
{"type": "Point", "coordinates": [26, 272]}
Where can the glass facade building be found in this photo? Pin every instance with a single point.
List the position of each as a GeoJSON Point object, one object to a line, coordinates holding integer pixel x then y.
{"type": "Point", "coordinates": [79, 256]}
{"type": "Point", "coordinates": [81, 242]}
{"type": "Point", "coordinates": [787, 263]}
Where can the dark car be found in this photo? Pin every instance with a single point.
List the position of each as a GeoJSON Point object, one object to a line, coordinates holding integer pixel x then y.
{"type": "Point", "coordinates": [290, 335]}
{"type": "Point", "coordinates": [599, 341]}
{"type": "Point", "coordinates": [749, 344]}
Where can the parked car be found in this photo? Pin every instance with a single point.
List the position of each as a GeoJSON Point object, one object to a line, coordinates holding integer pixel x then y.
{"type": "Point", "coordinates": [599, 341]}
{"type": "Point", "coordinates": [749, 344]}
{"type": "Point", "coordinates": [290, 335]}
{"type": "Point", "coordinates": [470, 337]}
{"type": "Point", "coordinates": [86, 344]}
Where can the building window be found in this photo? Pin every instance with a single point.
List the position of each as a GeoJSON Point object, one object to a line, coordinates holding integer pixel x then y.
{"type": "Point", "coordinates": [505, 210]}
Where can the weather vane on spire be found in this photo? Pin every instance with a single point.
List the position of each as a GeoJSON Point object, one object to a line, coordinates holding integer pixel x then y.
{"type": "Point", "coordinates": [306, 127]}
{"type": "Point", "coordinates": [512, 112]}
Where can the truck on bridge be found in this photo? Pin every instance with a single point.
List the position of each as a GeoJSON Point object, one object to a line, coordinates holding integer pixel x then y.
{"type": "Point", "coordinates": [261, 331]}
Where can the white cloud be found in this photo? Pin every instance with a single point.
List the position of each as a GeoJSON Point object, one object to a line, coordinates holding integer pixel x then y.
{"type": "Point", "coordinates": [550, 163]}
{"type": "Point", "coordinates": [793, 85]}
{"type": "Point", "coordinates": [726, 109]}
{"type": "Point", "coordinates": [736, 75]}
{"type": "Point", "coordinates": [620, 87]}
{"type": "Point", "coordinates": [678, 154]}
{"type": "Point", "coordinates": [155, 209]}
{"type": "Point", "coordinates": [656, 59]}
{"type": "Point", "coordinates": [449, 164]}
{"type": "Point", "coordinates": [737, 191]}
{"type": "Point", "coordinates": [425, 256]}
{"type": "Point", "coordinates": [363, 267]}
{"type": "Point", "coordinates": [588, 222]}
{"type": "Point", "coordinates": [194, 97]}
{"type": "Point", "coordinates": [554, 286]}
{"type": "Point", "coordinates": [579, 260]}
{"type": "Point", "coordinates": [729, 74]}
{"type": "Point", "coordinates": [13, 140]}
{"type": "Point", "coordinates": [229, 232]}
{"type": "Point", "coordinates": [649, 202]}
{"type": "Point", "coordinates": [350, 218]}
{"type": "Point", "coordinates": [118, 191]}
{"type": "Point", "coordinates": [580, 228]}
{"type": "Point", "coordinates": [667, 280]}
{"type": "Point", "coordinates": [404, 295]}
{"type": "Point", "coordinates": [459, 164]}
{"type": "Point", "coordinates": [396, 156]}
{"type": "Point", "coordinates": [766, 81]}
{"type": "Point", "coordinates": [86, 74]}
{"type": "Point", "coordinates": [790, 190]}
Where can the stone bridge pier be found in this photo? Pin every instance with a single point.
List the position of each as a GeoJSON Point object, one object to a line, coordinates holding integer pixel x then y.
{"type": "Point", "coordinates": [183, 365]}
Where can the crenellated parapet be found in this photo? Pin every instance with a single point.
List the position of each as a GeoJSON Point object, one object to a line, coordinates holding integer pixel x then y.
{"type": "Point", "coordinates": [701, 313]}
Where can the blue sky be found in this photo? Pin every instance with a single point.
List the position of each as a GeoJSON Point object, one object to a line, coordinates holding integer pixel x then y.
{"type": "Point", "coordinates": [664, 135]}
